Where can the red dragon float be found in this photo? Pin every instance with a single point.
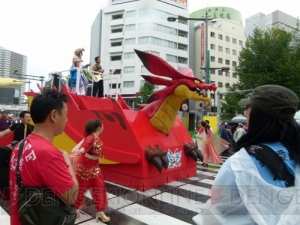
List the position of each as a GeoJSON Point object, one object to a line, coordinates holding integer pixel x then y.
{"type": "Point", "coordinates": [146, 148]}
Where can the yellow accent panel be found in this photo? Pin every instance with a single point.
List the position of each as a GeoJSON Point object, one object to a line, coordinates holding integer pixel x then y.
{"type": "Point", "coordinates": [213, 122]}
{"type": "Point", "coordinates": [64, 142]}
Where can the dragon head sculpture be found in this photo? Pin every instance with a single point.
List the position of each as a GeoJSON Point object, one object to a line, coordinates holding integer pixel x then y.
{"type": "Point", "coordinates": [180, 85]}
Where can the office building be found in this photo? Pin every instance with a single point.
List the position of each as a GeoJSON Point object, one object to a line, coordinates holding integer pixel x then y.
{"type": "Point", "coordinates": [225, 39]}
{"type": "Point", "coordinates": [125, 25]}
{"type": "Point", "coordinates": [9, 63]}
{"type": "Point", "coordinates": [276, 19]}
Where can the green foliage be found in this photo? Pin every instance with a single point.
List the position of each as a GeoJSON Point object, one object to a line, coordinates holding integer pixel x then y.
{"type": "Point", "coordinates": [229, 104]}
{"type": "Point", "coordinates": [145, 91]}
{"type": "Point", "coordinates": [269, 57]}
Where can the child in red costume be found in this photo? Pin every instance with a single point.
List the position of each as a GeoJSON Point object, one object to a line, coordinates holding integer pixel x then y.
{"type": "Point", "coordinates": [88, 172]}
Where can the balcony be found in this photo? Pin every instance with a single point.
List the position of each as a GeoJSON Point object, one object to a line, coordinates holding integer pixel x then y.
{"type": "Point", "coordinates": [115, 49]}
{"type": "Point", "coordinates": [116, 22]}
{"type": "Point", "coordinates": [116, 35]}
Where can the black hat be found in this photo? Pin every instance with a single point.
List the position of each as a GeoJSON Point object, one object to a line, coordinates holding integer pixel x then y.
{"type": "Point", "coordinates": [273, 100]}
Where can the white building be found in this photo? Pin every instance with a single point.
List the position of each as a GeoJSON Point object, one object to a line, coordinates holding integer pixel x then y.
{"type": "Point", "coordinates": [277, 19]}
{"type": "Point", "coordinates": [225, 39]}
{"type": "Point", "coordinates": [11, 62]}
{"type": "Point", "coordinates": [142, 24]}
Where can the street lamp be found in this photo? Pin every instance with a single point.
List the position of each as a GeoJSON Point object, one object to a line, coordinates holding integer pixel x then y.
{"type": "Point", "coordinates": [206, 19]}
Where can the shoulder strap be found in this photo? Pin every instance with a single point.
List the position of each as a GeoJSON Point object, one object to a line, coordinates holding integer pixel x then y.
{"type": "Point", "coordinates": [18, 176]}
{"type": "Point", "coordinates": [273, 161]}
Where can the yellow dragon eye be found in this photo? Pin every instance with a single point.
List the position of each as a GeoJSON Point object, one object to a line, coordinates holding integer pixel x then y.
{"type": "Point", "coordinates": [196, 81]}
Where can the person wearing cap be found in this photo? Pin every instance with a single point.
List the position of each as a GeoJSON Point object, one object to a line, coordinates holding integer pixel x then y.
{"type": "Point", "coordinates": [245, 190]}
{"type": "Point", "coordinates": [77, 63]}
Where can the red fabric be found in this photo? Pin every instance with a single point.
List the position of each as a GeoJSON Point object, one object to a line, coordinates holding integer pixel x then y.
{"type": "Point", "coordinates": [96, 185]}
{"type": "Point", "coordinates": [98, 191]}
{"type": "Point", "coordinates": [42, 165]}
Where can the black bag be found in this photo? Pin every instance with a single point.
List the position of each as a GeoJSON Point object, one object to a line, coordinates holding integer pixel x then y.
{"type": "Point", "coordinates": [40, 206]}
{"type": "Point", "coordinates": [5, 152]}
{"type": "Point", "coordinates": [272, 160]}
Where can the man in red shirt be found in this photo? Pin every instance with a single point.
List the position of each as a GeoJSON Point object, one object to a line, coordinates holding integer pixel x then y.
{"type": "Point", "coordinates": [41, 164]}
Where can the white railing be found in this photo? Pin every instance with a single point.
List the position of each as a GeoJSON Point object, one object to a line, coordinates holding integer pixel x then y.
{"type": "Point", "coordinates": [108, 80]}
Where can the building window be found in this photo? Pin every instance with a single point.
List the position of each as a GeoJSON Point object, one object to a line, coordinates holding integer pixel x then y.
{"type": "Point", "coordinates": [212, 34]}
{"type": "Point", "coordinates": [233, 63]}
{"type": "Point", "coordinates": [116, 58]}
{"type": "Point", "coordinates": [212, 96]}
{"type": "Point", "coordinates": [220, 36]}
{"type": "Point", "coordinates": [143, 40]}
{"type": "Point", "coordinates": [241, 43]}
{"type": "Point", "coordinates": [233, 40]}
{"type": "Point", "coordinates": [234, 75]}
{"type": "Point", "coordinates": [212, 46]}
{"type": "Point", "coordinates": [142, 82]}
{"type": "Point", "coordinates": [227, 74]}
{"type": "Point", "coordinates": [171, 58]}
{"type": "Point", "coordinates": [129, 41]}
{"type": "Point", "coordinates": [114, 86]}
{"type": "Point", "coordinates": [227, 85]}
{"type": "Point", "coordinates": [220, 84]}
{"type": "Point", "coordinates": [129, 55]}
{"type": "Point", "coordinates": [227, 39]}
{"type": "Point", "coordinates": [220, 48]}
{"type": "Point", "coordinates": [129, 69]}
{"type": "Point", "coordinates": [115, 44]}
{"type": "Point", "coordinates": [131, 13]}
{"type": "Point", "coordinates": [128, 84]}
{"type": "Point", "coordinates": [212, 58]}
{"type": "Point", "coordinates": [130, 27]}
{"type": "Point", "coordinates": [182, 60]}
{"type": "Point", "coordinates": [212, 71]}
{"type": "Point", "coordinates": [220, 72]}
{"type": "Point", "coordinates": [220, 60]}
{"type": "Point", "coordinates": [155, 53]}
{"type": "Point", "coordinates": [227, 62]}
{"type": "Point", "coordinates": [118, 16]}
{"type": "Point", "coordinates": [233, 52]}
{"type": "Point", "coordinates": [163, 29]}
{"type": "Point", "coordinates": [227, 50]}
{"type": "Point", "coordinates": [118, 30]}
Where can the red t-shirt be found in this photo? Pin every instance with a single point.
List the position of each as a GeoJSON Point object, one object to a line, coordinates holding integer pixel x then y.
{"type": "Point", "coordinates": [41, 165]}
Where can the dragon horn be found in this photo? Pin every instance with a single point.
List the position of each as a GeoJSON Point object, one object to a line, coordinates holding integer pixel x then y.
{"type": "Point", "coordinates": [158, 66]}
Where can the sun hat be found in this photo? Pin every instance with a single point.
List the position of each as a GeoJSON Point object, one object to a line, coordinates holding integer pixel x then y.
{"type": "Point", "coordinates": [273, 100]}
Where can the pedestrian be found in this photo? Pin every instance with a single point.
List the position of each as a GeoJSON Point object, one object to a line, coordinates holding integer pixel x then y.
{"type": "Point", "coordinates": [20, 130]}
{"type": "Point", "coordinates": [239, 132]}
{"type": "Point", "coordinates": [88, 172]}
{"type": "Point", "coordinates": [42, 164]}
{"type": "Point", "coordinates": [246, 190]}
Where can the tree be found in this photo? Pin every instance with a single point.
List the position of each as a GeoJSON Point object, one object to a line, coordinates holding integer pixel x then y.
{"type": "Point", "coordinates": [230, 107]}
{"type": "Point", "coordinates": [145, 91]}
{"type": "Point", "coordinates": [269, 57]}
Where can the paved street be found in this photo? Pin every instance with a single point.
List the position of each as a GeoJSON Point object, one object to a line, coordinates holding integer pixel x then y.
{"type": "Point", "coordinates": [173, 203]}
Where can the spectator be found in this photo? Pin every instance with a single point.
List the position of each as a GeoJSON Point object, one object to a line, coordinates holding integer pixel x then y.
{"type": "Point", "coordinates": [239, 132]}
{"type": "Point", "coordinates": [4, 121]}
{"type": "Point", "coordinates": [223, 132]}
{"type": "Point", "coordinates": [245, 190]}
{"type": "Point", "coordinates": [21, 130]}
{"type": "Point", "coordinates": [43, 165]}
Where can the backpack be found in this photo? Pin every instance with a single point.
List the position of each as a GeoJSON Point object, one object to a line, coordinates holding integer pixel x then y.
{"type": "Point", "coordinates": [5, 152]}
{"type": "Point", "coordinates": [273, 161]}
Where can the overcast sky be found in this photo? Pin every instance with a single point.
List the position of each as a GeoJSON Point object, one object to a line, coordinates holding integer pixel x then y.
{"type": "Point", "coordinates": [48, 32]}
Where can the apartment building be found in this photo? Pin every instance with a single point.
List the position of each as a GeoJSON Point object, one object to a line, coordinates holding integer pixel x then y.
{"type": "Point", "coordinates": [9, 63]}
{"type": "Point", "coordinates": [123, 26]}
{"type": "Point", "coordinates": [277, 19]}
